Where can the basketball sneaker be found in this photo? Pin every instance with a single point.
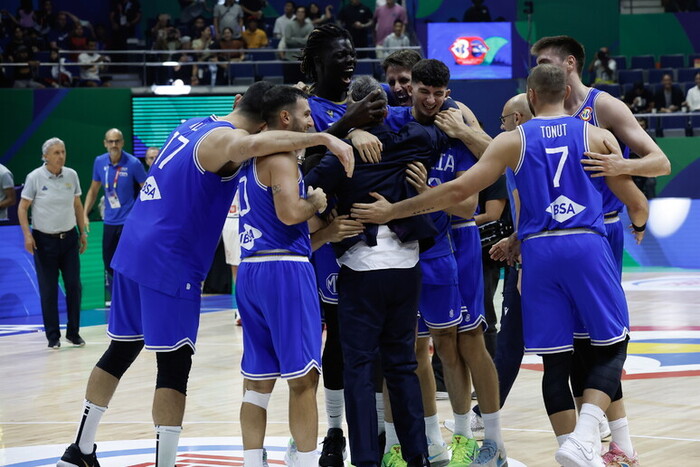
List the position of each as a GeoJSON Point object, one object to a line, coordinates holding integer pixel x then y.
{"type": "Point", "coordinates": [577, 453]}
{"type": "Point", "coordinates": [290, 455]}
{"type": "Point", "coordinates": [464, 450]}
{"type": "Point", "coordinates": [477, 425]}
{"type": "Point", "coordinates": [490, 455]}
{"type": "Point", "coordinates": [438, 454]}
{"type": "Point", "coordinates": [73, 457]}
{"type": "Point", "coordinates": [333, 453]}
{"type": "Point", "coordinates": [394, 458]}
{"type": "Point", "coordinates": [616, 457]}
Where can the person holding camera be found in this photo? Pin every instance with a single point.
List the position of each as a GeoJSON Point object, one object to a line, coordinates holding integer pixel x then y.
{"type": "Point", "coordinates": [604, 67]}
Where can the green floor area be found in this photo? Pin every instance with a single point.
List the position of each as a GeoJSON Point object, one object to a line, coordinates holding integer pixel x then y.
{"type": "Point", "coordinates": [92, 270]}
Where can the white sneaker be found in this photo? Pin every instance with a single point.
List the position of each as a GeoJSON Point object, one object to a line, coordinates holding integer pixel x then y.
{"type": "Point", "coordinates": [438, 454]}
{"type": "Point", "coordinates": [477, 425]}
{"type": "Point", "coordinates": [290, 455]}
{"type": "Point", "coordinates": [576, 453]}
{"type": "Point", "coordinates": [449, 425]}
{"type": "Point", "coordinates": [604, 428]}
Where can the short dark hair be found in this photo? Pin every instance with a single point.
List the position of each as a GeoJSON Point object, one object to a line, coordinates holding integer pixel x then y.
{"type": "Point", "coordinates": [549, 83]}
{"type": "Point", "coordinates": [431, 72]}
{"type": "Point", "coordinates": [564, 46]}
{"type": "Point", "coordinates": [278, 98]}
{"type": "Point", "coordinates": [404, 58]}
{"type": "Point", "coordinates": [398, 21]}
{"type": "Point", "coordinates": [251, 105]}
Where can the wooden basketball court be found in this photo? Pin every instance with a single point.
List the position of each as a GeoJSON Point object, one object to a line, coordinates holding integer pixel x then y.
{"type": "Point", "coordinates": [42, 391]}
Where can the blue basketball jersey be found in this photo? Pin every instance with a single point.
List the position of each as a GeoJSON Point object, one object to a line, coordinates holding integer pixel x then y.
{"type": "Point", "coordinates": [325, 112]}
{"type": "Point", "coordinates": [587, 113]}
{"type": "Point", "coordinates": [464, 160]}
{"type": "Point", "coordinates": [171, 234]}
{"type": "Point", "coordinates": [555, 191]}
{"type": "Point", "coordinates": [510, 183]}
{"type": "Point", "coordinates": [259, 228]}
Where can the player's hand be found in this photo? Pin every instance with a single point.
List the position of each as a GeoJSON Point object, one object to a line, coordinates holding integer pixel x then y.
{"type": "Point", "coordinates": [500, 250]}
{"type": "Point", "coordinates": [303, 86]}
{"type": "Point", "coordinates": [29, 244]}
{"type": "Point", "coordinates": [451, 122]}
{"type": "Point", "coordinates": [343, 227]}
{"type": "Point", "coordinates": [371, 109]}
{"type": "Point", "coordinates": [317, 197]}
{"type": "Point", "coordinates": [417, 176]}
{"type": "Point", "coordinates": [379, 212]}
{"type": "Point", "coordinates": [638, 236]}
{"type": "Point", "coordinates": [343, 151]}
{"type": "Point", "coordinates": [368, 146]}
{"type": "Point", "coordinates": [86, 221]}
{"type": "Point", "coordinates": [604, 165]}
{"type": "Point", "coordinates": [83, 244]}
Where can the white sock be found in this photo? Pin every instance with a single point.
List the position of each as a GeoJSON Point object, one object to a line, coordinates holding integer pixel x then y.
{"type": "Point", "coordinates": [562, 438]}
{"type": "Point", "coordinates": [492, 427]}
{"type": "Point", "coordinates": [307, 459]}
{"type": "Point", "coordinates": [462, 426]}
{"type": "Point", "coordinates": [167, 438]}
{"type": "Point", "coordinates": [621, 435]}
{"type": "Point", "coordinates": [391, 437]}
{"type": "Point", "coordinates": [85, 438]}
{"type": "Point", "coordinates": [379, 398]}
{"type": "Point", "coordinates": [588, 420]}
{"type": "Point", "coordinates": [335, 405]}
{"type": "Point", "coordinates": [253, 458]}
{"type": "Point", "coordinates": [432, 430]}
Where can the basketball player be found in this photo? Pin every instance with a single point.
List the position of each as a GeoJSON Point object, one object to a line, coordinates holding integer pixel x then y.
{"type": "Point", "coordinates": [163, 257]}
{"type": "Point", "coordinates": [601, 109]}
{"type": "Point", "coordinates": [560, 225]}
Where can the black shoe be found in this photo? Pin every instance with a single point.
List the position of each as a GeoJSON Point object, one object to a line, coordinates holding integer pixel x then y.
{"type": "Point", "coordinates": [54, 344]}
{"type": "Point", "coordinates": [381, 440]}
{"type": "Point", "coordinates": [76, 341]}
{"type": "Point", "coordinates": [74, 458]}
{"type": "Point", "coordinates": [418, 461]}
{"type": "Point", "coordinates": [333, 453]}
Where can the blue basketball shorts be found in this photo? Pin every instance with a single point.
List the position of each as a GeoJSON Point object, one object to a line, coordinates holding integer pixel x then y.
{"type": "Point", "coordinates": [279, 308]}
{"type": "Point", "coordinates": [164, 322]}
{"type": "Point", "coordinates": [440, 302]}
{"type": "Point", "coordinates": [570, 280]}
{"type": "Point", "coordinates": [470, 273]}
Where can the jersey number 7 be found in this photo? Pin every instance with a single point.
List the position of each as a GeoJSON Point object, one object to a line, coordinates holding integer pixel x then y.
{"type": "Point", "coordinates": [564, 151]}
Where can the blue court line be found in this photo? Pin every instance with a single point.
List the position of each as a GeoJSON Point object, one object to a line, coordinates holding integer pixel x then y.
{"type": "Point", "coordinates": [37, 121]}
{"type": "Point", "coordinates": [133, 452]}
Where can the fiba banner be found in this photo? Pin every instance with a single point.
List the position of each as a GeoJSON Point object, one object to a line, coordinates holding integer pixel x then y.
{"type": "Point", "coordinates": [473, 50]}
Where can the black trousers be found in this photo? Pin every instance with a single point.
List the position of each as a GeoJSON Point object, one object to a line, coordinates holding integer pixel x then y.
{"type": "Point", "coordinates": [110, 239]}
{"type": "Point", "coordinates": [54, 254]}
{"type": "Point", "coordinates": [377, 315]}
{"type": "Point", "coordinates": [492, 273]}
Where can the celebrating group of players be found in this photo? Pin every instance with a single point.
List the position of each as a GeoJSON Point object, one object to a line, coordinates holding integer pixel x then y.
{"type": "Point", "coordinates": [383, 232]}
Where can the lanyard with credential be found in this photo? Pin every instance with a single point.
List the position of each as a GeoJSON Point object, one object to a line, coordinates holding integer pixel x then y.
{"type": "Point", "coordinates": [116, 178]}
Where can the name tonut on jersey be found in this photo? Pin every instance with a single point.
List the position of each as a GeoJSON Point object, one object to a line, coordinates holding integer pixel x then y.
{"type": "Point", "coordinates": [553, 131]}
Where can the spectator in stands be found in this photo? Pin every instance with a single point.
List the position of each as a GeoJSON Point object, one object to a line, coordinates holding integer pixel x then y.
{"type": "Point", "coordinates": [25, 76]}
{"type": "Point", "coordinates": [58, 35]}
{"type": "Point", "coordinates": [385, 18]}
{"type": "Point", "coordinates": [7, 192]}
{"type": "Point", "coordinates": [53, 192]}
{"type": "Point", "coordinates": [207, 74]}
{"type": "Point", "coordinates": [78, 38]}
{"type": "Point", "coordinates": [639, 99]}
{"type": "Point", "coordinates": [16, 42]}
{"type": "Point", "coordinates": [319, 17]}
{"type": "Point", "coordinates": [669, 97]}
{"type": "Point", "coordinates": [191, 10]}
{"type": "Point", "coordinates": [45, 18]}
{"type": "Point", "coordinates": [227, 42]}
{"type": "Point", "coordinates": [604, 67]}
{"type": "Point", "coordinates": [253, 8]}
{"type": "Point", "coordinates": [692, 99]}
{"type": "Point", "coordinates": [477, 13]}
{"type": "Point", "coordinates": [25, 14]}
{"type": "Point", "coordinates": [151, 155]}
{"type": "Point", "coordinates": [91, 64]}
{"type": "Point", "coordinates": [204, 42]}
{"type": "Point", "coordinates": [297, 33]}
{"type": "Point", "coordinates": [101, 36]}
{"type": "Point", "coordinates": [59, 74]}
{"type": "Point", "coordinates": [228, 15]}
{"type": "Point", "coordinates": [282, 22]}
{"type": "Point", "coordinates": [357, 19]}
{"type": "Point", "coordinates": [198, 24]}
{"type": "Point", "coordinates": [124, 18]}
{"type": "Point", "coordinates": [398, 38]}
{"type": "Point", "coordinates": [161, 27]}
{"type": "Point", "coordinates": [184, 70]}
{"type": "Point", "coordinates": [253, 36]}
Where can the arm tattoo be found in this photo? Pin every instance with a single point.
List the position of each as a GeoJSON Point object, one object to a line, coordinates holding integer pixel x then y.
{"type": "Point", "coordinates": [276, 189]}
{"type": "Point", "coordinates": [421, 211]}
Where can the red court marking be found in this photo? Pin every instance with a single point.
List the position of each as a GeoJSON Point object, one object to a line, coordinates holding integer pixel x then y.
{"type": "Point", "coordinates": [194, 459]}
{"type": "Point", "coordinates": [625, 376]}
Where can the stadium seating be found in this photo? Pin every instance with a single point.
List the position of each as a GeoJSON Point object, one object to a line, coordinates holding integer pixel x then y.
{"type": "Point", "coordinates": [672, 61]}
{"type": "Point", "coordinates": [643, 61]}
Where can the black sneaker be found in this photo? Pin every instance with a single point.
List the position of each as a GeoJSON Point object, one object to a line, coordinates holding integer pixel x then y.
{"type": "Point", "coordinates": [74, 458]}
{"type": "Point", "coordinates": [54, 344]}
{"type": "Point", "coordinates": [76, 341]}
{"type": "Point", "coordinates": [333, 453]}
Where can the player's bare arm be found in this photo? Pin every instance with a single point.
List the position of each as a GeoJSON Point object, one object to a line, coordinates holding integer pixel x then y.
{"type": "Point", "coordinates": [224, 145]}
{"type": "Point", "coordinates": [281, 174]}
{"type": "Point", "coordinates": [503, 151]}
{"type": "Point", "coordinates": [617, 117]}
{"type": "Point", "coordinates": [339, 228]}
{"type": "Point", "coordinates": [453, 123]}
{"type": "Point", "coordinates": [417, 176]}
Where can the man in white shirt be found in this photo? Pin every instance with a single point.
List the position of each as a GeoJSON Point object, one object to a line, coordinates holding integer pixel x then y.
{"type": "Point", "coordinates": [692, 99]}
{"type": "Point", "coordinates": [90, 65]}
